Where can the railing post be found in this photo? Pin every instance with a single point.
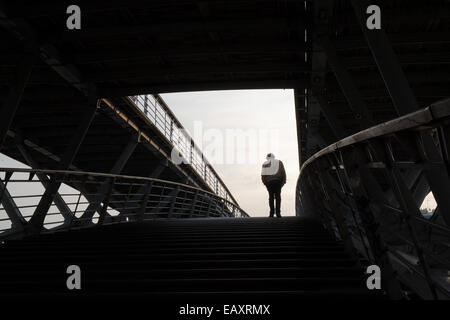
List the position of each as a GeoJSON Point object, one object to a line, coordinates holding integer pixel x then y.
{"type": "Point", "coordinates": [127, 197]}
{"type": "Point", "coordinates": [209, 206]}
{"type": "Point", "coordinates": [223, 208]}
{"type": "Point", "coordinates": [58, 200]}
{"type": "Point", "coordinates": [327, 183]}
{"type": "Point", "coordinates": [103, 210]}
{"type": "Point", "coordinates": [75, 210]}
{"type": "Point", "coordinates": [36, 222]}
{"type": "Point", "coordinates": [143, 208]}
{"type": "Point", "coordinates": [194, 203]}
{"type": "Point", "coordinates": [146, 105]}
{"type": "Point", "coordinates": [174, 200]}
{"type": "Point", "coordinates": [116, 169]}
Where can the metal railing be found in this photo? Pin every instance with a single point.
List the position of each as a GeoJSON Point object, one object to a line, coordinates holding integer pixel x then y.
{"type": "Point", "coordinates": [165, 121]}
{"type": "Point", "coordinates": [87, 199]}
{"type": "Point", "coordinates": [367, 190]}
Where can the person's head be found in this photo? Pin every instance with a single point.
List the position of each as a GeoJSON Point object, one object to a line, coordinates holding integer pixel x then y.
{"type": "Point", "coordinates": [270, 156]}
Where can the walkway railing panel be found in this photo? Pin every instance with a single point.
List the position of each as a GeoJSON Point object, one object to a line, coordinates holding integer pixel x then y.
{"type": "Point", "coordinates": [367, 189]}
{"type": "Point", "coordinates": [166, 122]}
{"type": "Point", "coordinates": [88, 199]}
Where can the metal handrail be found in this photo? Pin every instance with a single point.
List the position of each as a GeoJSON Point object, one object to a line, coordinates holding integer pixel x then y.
{"type": "Point", "coordinates": [157, 111]}
{"type": "Point", "coordinates": [425, 116]}
{"type": "Point", "coordinates": [89, 198]}
{"type": "Point", "coordinates": [374, 182]}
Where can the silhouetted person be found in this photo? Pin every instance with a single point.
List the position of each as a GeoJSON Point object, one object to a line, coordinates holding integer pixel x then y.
{"type": "Point", "coordinates": [274, 177]}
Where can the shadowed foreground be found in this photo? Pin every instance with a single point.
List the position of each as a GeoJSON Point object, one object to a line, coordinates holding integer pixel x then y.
{"type": "Point", "coordinates": [186, 259]}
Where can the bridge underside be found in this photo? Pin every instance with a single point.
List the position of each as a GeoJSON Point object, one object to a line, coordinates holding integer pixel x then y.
{"type": "Point", "coordinates": [62, 95]}
{"type": "Point", "coordinates": [360, 77]}
{"type": "Point", "coordinates": [132, 48]}
{"type": "Point", "coordinates": [317, 48]}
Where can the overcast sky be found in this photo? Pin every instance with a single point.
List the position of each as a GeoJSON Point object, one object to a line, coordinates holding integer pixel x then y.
{"type": "Point", "coordinates": [244, 113]}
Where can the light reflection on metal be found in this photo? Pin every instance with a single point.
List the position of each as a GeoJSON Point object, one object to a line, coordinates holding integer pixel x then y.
{"type": "Point", "coordinates": [369, 205]}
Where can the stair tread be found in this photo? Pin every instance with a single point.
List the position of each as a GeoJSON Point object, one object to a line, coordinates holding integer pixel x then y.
{"type": "Point", "coordinates": [194, 257]}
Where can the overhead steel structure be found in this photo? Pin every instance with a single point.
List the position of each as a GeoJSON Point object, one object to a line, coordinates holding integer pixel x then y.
{"type": "Point", "coordinates": [348, 80]}
{"type": "Point", "coordinates": [374, 175]}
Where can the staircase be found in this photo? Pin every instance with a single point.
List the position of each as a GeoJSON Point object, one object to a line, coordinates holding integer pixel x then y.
{"type": "Point", "coordinates": [186, 259]}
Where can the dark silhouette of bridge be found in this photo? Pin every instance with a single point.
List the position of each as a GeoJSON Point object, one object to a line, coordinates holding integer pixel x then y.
{"type": "Point", "coordinates": [81, 109]}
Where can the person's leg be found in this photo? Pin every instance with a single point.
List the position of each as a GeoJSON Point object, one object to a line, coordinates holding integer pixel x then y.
{"type": "Point", "coordinates": [277, 193]}
{"type": "Point", "coordinates": [271, 200]}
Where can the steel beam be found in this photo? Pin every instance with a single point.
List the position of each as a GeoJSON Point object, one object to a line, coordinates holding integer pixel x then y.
{"type": "Point", "coordinates": [330, 116]}
{"type": "Point", "coordinates": [146, 71]}
{"type": "Point", "coordinates": [37, 220]}
{"type": "Point", "coordinates": [194, 202]}
{"type": "Point", "coordinates": [143, 208]}
{"type": "Point", "coordinates": [410, 208]}
{"type": "Point", "coordinates": [174, 199]}
{"type": "Point", "coordinates": [48, 53]}
{"type": "Point", "coordinates": [142, 191]}
{"type": "Point", "coordinates": [348, 86]}
{"type": "Point", "coordinates": [420, 189]}
{"type": "Point", "coordinates": [42, 151]}
{"type": "Point", "coordinates": [184, 50]}
{"type": "Point", "coordinates": [172, 195]}
{"type": "Point", "coordinates": [328, 186]}
{"type": "Point", "coordinates": [405, 102]}
{"type": "Point", "coordinates": [436, 172]}
{"type": "Point", "coordinates": [104, 209]}
{"type": "Point", "coordinates": [387, 62]}
{"type": "Point", "coordinates": [183, 27]}
{"type": "Point", "coordinates": [12, 100]}
{"type": "Point", "coordinates": [301, 119]}
{"type": "Point", "coordinates": [355, 42]}
{"type": "Point", "coordinates": [59, 201]}
{"type": "Point", "coordinates": [353, 162]}
{"type": "Point", "coordinates": [77, 139]}
{"type": "Point", "coordinates": [116, 169]}
{"type": "Point", "coordinates": [314, 139]}
{"type": "Point", "coordinates": [17, 220]}
{"type": "Point", "coordinates": [165, 87]}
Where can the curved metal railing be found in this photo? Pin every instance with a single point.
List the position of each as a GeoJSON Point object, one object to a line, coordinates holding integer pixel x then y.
{"type": "Point", "coordinates": [155, 109]}
{"type": "Point", "coordinates": [87, 199]}
{"type": "Point", "coordinates": [367, 189]}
